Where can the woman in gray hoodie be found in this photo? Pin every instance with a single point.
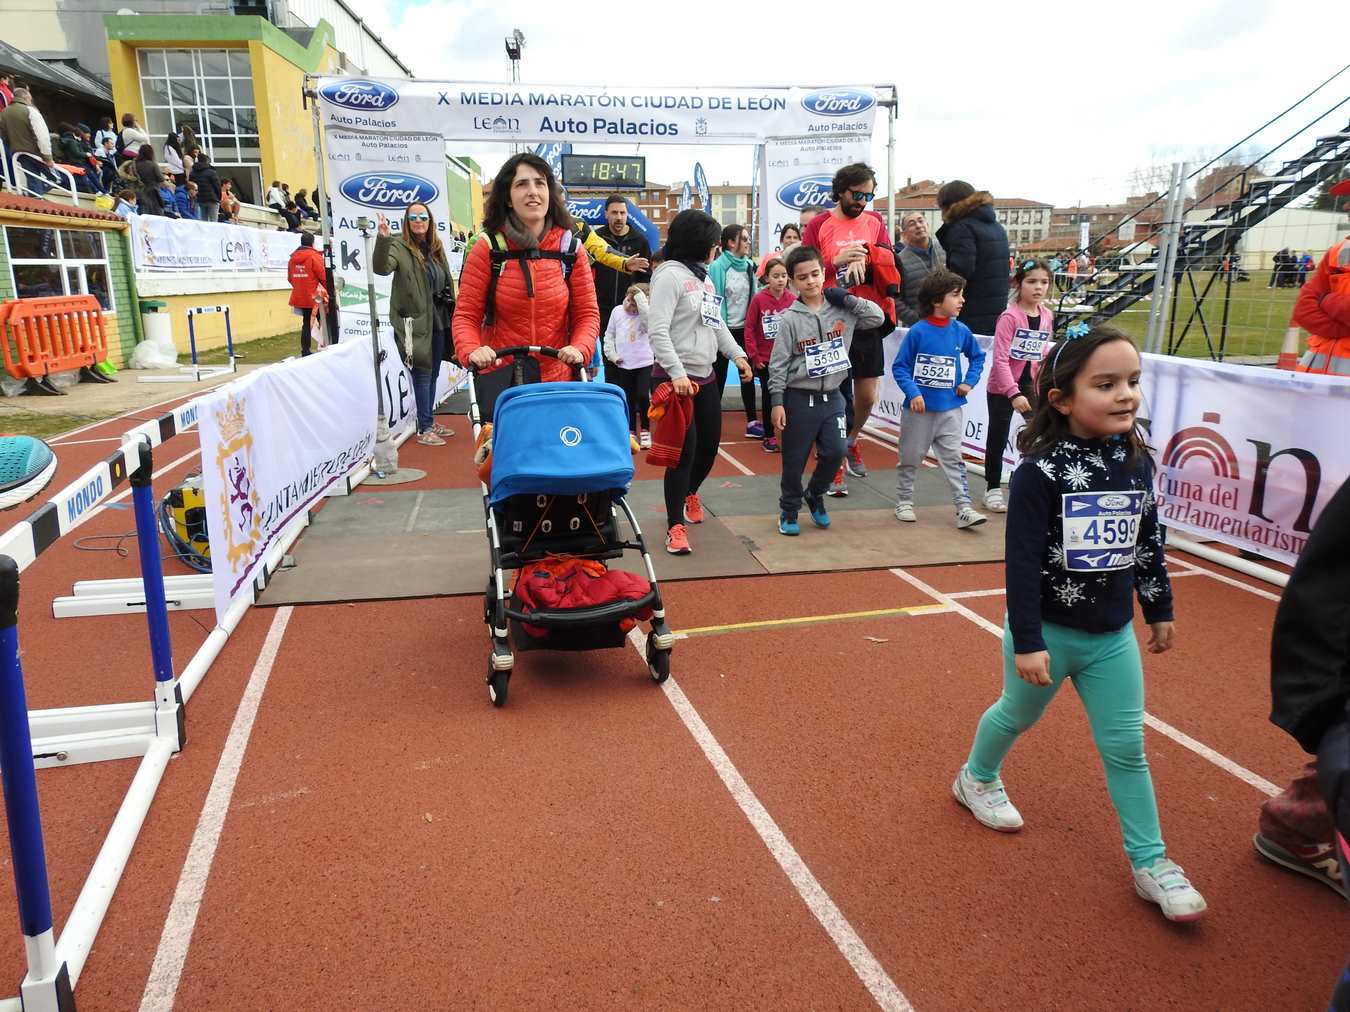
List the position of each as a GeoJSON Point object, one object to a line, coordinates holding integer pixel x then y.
{"type": "Point", "coordinates": [687, 331]}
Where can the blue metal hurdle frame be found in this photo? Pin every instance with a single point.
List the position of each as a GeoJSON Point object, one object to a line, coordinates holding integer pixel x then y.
{"type": "Point", "coordinates": [154, 732]}
{"type": "Point", "coordinates": [197, 372]}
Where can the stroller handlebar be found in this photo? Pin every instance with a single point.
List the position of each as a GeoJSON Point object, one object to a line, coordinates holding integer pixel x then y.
{"type": "Point", "coordinates": [520, 351]}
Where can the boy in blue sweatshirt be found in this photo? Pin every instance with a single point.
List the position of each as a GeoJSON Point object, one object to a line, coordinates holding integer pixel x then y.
{"type": "Point", "coordinates": [928, 371]}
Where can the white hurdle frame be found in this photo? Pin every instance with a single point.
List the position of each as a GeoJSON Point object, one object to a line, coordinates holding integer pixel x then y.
{"type": "Point", "coordinates": [150, 730]}
{"type": "Point", "coordinates": [195, 372]}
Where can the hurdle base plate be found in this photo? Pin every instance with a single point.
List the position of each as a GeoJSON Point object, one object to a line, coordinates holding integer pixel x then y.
{"type": "Point", "coordinates": [400, 477]}
{"type": "Point", "coordinates": [54, 995]}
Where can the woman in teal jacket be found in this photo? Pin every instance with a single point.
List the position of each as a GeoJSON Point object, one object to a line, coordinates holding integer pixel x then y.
{"type": "Point", "coordinates": [733, 276]}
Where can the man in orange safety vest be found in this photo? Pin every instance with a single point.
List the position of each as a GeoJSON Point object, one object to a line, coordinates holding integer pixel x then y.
{"type": "Point", "coordinates": [1323, 308]}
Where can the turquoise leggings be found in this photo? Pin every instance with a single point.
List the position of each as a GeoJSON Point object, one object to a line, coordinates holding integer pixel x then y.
{"type": "Point", "coordinates": [1107, 672]}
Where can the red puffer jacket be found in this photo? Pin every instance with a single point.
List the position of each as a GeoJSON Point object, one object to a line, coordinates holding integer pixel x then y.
{"type": "Point", "coordinates": [305, 273]}
{"type": "Point", "coordinates": [553, 317]}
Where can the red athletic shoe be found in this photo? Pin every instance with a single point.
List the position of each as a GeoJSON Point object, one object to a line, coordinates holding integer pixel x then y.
{"type": "Point", "coordinates": [837, 487]}
{"type": "Point", "coordinates": [1316, 860]}
{"type": "Point", "coordinates": [677, 541]}
{"type": "Point", "coordinates": [693, 509]}
{"type": "Point", "coordinates": [854, 462]}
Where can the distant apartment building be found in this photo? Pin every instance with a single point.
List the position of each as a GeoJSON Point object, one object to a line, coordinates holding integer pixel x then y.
{"type": "Point", "coordinates": [1024, 220]}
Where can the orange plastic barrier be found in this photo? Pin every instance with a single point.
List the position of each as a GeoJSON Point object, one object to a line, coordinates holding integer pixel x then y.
{"type": "Point", "coordinates": [43, 336]}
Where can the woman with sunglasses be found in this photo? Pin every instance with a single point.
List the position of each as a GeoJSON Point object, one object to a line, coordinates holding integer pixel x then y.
{"type": "Point", "coordinates": [423, 292]}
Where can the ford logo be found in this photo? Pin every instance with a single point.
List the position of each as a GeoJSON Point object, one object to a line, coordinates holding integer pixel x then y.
{"type": "Point", "coordinates": [1114, 502]}
{"type": "Point", "coordinates": [806, 191]}
{"type": "Point", "coordinates": [389, 190]}
{"type": "Point", "coordinates": [360, 95]}
{"type": "Point", "coordinates": [838, 102]}
{"type": "Point", "coordinates": [586, 210]}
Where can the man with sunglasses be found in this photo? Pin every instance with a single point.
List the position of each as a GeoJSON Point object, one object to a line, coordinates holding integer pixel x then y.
{"type": "Point", "coordinates": [847, 237]}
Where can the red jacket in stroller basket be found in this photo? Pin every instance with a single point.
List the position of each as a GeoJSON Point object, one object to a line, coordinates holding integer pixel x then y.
{"type": "Point", "coordinates": [562, 581]}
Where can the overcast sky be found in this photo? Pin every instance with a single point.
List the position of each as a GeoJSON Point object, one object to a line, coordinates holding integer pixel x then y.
{"type": "Point", "coordinates": [1057, 102]}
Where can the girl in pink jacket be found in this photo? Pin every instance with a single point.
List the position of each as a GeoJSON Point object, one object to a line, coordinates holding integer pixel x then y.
{"type": "Point", "coordinates": [1020, 339]}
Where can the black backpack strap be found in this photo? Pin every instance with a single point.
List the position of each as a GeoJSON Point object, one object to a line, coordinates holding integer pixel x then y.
{"type": "Point", "coordinates": [500, 255]}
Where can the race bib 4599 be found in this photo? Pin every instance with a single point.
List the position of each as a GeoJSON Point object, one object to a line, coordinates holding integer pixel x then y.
{"type": "Point", "coordinates": [1101, 529]}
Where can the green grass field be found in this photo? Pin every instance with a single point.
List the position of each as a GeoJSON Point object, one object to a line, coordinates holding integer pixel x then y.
{"type": "Point", "coordinates": [1257, 317]}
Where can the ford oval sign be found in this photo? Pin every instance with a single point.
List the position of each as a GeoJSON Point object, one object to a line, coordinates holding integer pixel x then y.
{"type": "Point", "coordinates": [388, 191]}
{"type": "Point", "coordinates": [370, 95]}
{"type": "Point", "coordinates": [1115, 501]}
{"type": "Point", "coordinates": [838, 102]}
{"type": "Point", "coordinates": [806, 191]}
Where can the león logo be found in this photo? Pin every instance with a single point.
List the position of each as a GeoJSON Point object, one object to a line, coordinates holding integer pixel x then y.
{"type": "Point", "coordinates": [238, 504]}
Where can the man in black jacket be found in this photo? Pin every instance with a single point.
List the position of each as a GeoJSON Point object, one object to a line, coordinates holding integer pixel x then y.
{"type": "Point", "coordinates": [977, 249]}
{"type": "Point", "coordinates": [1310, 689]}
{"type": "Point", "coordinates": [629, 243]}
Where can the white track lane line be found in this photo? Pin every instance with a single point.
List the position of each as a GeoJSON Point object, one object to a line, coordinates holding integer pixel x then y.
{"type": "Point", "coordinates": [1194, 568]}
{"type": "Point", "coordinates": [734, 462]}
{"type": "Point", "coordinates": [1180, 737]}
{"type": "Point", "coordinates": [831, 918]}
{"type": "Point", "coordinates": [167, 969]}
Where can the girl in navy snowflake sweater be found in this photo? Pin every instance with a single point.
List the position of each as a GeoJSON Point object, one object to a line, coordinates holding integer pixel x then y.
{"type": "Point", "coordinates": [1082, 534]}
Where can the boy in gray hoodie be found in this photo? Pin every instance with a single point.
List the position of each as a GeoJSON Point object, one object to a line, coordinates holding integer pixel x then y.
{"type": "Point", "coordinates": [809, 361]}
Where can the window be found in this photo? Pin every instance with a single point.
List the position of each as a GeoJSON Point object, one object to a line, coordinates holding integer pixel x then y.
{"type": "Point", "coordinates": [49, 261]}
{"type": "Point", "coordinates": [211, 90]}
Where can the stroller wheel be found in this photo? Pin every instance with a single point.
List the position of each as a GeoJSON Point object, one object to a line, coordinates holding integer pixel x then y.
{"type": "Point", "coordinates": [497, 681]}
{"type": "Point", "coordinates": [658, 661]}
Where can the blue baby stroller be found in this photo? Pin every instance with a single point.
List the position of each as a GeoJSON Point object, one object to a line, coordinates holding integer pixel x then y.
{"type": "Point", "coordinates": [561, 466]}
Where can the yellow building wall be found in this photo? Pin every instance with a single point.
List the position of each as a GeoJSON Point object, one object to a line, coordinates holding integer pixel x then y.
{"type": "Point", "coordinates": [252, 315]}
{"type": "Point", "coordinates": [126, 82]}
{"type": "Point", "coordinates": [285, 126]}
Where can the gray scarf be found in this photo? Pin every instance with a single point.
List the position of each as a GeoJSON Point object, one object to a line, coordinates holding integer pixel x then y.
{"type": "Point", "coordinates": [517, 234]}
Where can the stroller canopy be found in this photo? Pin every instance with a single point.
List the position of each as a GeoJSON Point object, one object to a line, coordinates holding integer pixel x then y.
{"type": "Point", "coordinates": [560, 439]}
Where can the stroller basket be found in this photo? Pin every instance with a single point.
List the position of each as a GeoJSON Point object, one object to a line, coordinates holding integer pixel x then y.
{"type": "Point", "coordinates": [560, 439]}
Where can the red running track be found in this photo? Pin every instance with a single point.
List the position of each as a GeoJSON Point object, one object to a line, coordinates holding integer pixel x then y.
{"type": "Point", "coordinates": [391, 840]}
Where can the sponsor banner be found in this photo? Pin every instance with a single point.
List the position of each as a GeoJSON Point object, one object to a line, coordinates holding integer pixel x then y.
{"type": "Point", "coordinates": [701, 185]}
{"type": "Point", "coordinates": [686, 197]}
{"type": "Point", "coordinates": [160, 243]}
{"type": "Point", "coordinates": [272, 442]}
{"type": "Point", "coordinates": [370, 175]}
{"type": "Point", "coordinates": [1246, 456]}
{"type": "Point", "coordinates": [591, 210]}
{"type": "Point", "coordinates": [555, 113]}
{"type": "Point", "coordinates": [797, 176]}
{"type": "Point", "coordinates": [552, 153]}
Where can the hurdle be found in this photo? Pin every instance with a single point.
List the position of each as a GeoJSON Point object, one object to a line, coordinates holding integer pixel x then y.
{"type": "Point", "coordinates": [197, 372]}
{"type": "Point", "coordinates": [151, 730]}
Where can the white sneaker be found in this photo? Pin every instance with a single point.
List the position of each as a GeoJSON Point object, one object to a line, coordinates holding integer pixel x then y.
{"type": "Point", "coordinates": [905, 511]}
{"type": "Point", "coordinates": [1165, 884]}
{"type": "Point", "coordinates": [993, 501]}
{"type": "Point", "coordinates": [967, 517]}
{"type": "Point", "coordinates": [987, 802]}
{"type": "Point", "coordinates": [645, 440]}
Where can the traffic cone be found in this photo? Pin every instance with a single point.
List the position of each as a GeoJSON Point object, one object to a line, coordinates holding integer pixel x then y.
{"type": "Point", "coordinates": [1289, 353]}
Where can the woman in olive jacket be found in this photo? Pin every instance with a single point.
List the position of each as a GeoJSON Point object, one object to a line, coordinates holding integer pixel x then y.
{"type": "Point", "coordinates": [423, 292]}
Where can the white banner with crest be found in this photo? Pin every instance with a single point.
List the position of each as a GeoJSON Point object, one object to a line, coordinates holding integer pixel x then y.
{"type": "Point", "coordinates": [272, 443]}
{"type": "Point", "coordinates": [177, 244]}
{"type": "Point", "coordinates": [634, 115]}
{"type": "Point", "coordinates": [1246, 456]}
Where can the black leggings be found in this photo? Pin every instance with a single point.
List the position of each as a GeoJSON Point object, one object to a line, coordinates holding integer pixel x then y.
{"type": "Point", "coordinates": [1000, 424]}
{"type": "Point", "coordinates": [636, 385]}
{"type": "Point", "coordinates": [306, 325]}
{"type": "Point", "coordinates": [721, 368]}
{"type": "Point", "coordinates": [696, 457]}
{"type": "Point", "coordinates": [762, 374]}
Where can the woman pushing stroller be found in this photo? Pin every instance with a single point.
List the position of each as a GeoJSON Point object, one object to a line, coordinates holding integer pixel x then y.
{"type": "Point", "coordinates": [527, 281]}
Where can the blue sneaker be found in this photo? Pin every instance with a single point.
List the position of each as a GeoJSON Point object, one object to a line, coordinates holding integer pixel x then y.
{"type": "Point", "coordinates": [26, 465]}
{"type": "Point", "coordinates": [787, 524]}
{"type": "Point", "coordinates": [819, 516]}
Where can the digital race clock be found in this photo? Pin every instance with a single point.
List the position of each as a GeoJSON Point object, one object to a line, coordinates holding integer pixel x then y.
{"type": "Point", "coordinates": [604, 172]}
